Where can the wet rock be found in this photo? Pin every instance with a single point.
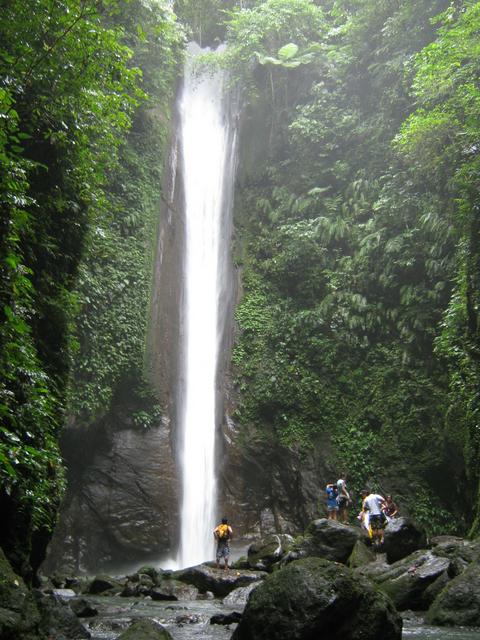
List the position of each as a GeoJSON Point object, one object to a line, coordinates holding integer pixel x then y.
{"type": "Point", "coordinates": [240, 596]}
{"type": "Point", "coordinates": [226, 618]}
{"type": "Point", "coordinates": [410, 582]}
{"type": "Point", "coordinates": [104, 585]}
{"type": "Point", "coordinates": [403, 537]}
{"type": "Point", "coordinates": [264, 553]}
{"type": "Point", "coordinates": [328, 539]}
{"type": "Point", "coordinates": [82, 608]}
{"type": "Point", "coordinates": [309, 599]}
{"type": "Point", "coordinates": [218, 581]}
{"type": "Point", "coordinates": [458, 604]}
{"type": "Point", "coordinates": [145, 630]}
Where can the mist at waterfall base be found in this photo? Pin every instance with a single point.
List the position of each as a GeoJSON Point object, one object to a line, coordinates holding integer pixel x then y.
{"type": "Point", "coordinates": [206, 151]}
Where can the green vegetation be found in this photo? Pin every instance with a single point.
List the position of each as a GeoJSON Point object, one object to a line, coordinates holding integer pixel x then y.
{"type": "Point", "coordinates": [358, 219]}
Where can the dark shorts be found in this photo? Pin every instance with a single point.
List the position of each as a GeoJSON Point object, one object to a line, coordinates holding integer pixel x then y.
{"type": "Point", "coordinates": [223, 549]}
{"type": "Point", "coordinates": [342, 502]}
{"type": "Point", "coordinates": [376, 522]}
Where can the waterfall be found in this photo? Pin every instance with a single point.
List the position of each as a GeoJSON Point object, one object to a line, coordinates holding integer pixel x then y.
{"type": "Point", "coordinates": [207, 143]}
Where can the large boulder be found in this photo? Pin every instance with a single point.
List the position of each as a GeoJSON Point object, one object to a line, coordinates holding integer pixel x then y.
{"type": "Point", "coordinates": [459, 602]}
{"type": "Point", "coordinates": [403, 537]}
{"type": "Point", "coordinates": [145, 630]}
{"type": "Point", "coordinates": [218, 581]}
{"type": "Point", "coordinates": [411, 583]}
{"type": "Point", "coordinates": [310, 598]}
{"type": "Point", "coordinates": [328, 539]}
{"type": "Point", "coordinates": [264, 553]}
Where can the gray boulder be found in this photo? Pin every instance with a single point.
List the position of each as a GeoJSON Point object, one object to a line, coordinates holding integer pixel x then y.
{"type": "Point", "coordinates": [145, 630]}
{"type": "Point", "coordinates": [403, 537]}
{"type": "Point", "coordinates": [411, 583]}
{"type": "Point", "coordinates": [327, 539]}
{"type": "Point", "coordinates": [218, 581]}
{"type": "Point", "coordinates": [459, 602]}
{"type": "Point", "coordinates": [309, 598]}
{"type": "Point", "coordinates": [264, 553]}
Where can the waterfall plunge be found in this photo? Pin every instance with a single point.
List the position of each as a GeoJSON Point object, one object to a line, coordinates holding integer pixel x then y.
{"type": "Point", "coordinates": [207, 152]}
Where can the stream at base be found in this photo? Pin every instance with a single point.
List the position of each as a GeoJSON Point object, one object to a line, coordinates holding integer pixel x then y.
{"type": "Point", "coordinates": [189, 620]}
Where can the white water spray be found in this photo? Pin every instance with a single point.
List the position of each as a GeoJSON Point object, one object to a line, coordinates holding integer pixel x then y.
{"type": "Point", "coordinates": [207, 167]}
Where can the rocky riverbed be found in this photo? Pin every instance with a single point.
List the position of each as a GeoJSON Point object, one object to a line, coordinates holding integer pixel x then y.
{"type": "Point", "coordinates": [283, 588]}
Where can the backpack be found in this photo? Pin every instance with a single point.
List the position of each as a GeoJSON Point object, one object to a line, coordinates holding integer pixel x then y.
{"type": "Point", "coordinates": [222, 532]}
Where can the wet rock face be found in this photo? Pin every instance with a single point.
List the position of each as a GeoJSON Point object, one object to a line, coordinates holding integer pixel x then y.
{"type": "Point", "coordinates": [403, 537]}
{"type": "Point", "coordinates": [265, 487]}
{"type": "Point", "coordinates": [309, 598]}
{"type": "Point", "coordinates": [458, 604]}
{"type": "Point", "coordinates": [123, 506]}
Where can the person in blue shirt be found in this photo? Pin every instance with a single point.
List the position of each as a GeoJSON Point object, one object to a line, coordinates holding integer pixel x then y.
{"type": "Point", "coordinates": [332, 506]}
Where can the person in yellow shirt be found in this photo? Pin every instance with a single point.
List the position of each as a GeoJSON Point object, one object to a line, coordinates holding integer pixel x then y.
{"type": "Point", "coordinates": [222, 535]}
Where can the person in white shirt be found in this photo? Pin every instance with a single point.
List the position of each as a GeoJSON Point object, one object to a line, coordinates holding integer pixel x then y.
{"type": "Point", "coordinates": [374, 504]}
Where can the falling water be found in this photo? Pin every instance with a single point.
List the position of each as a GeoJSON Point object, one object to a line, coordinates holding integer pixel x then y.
{"type": "Point", "coordinates": [207, 142]}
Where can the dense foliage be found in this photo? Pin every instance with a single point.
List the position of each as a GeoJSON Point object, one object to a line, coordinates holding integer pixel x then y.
{"type": "Point", "coordinates": [69, 92]}
{"type": "Point", "coordinates": [359, 223]}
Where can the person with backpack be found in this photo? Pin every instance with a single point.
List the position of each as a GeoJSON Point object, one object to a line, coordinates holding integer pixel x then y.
{"type": "Point", "coordinates": [332, 506]}
{"type": "Point", "coordinates": [222, 535]}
